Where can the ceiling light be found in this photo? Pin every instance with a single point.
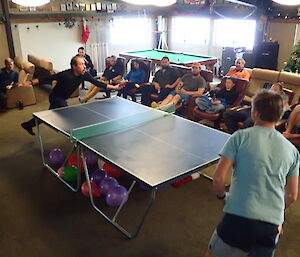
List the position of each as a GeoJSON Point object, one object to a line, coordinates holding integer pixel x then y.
{"type": "Point", "coordinates": [287, 2]}
{"type": "Point", "coordinates": [31, 3]}
{"type": "Point", "coordinates": [151, 2]}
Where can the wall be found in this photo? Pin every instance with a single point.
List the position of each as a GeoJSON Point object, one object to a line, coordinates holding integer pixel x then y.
{"type": "Point", "coordinates": [100, 45]}
{"type": "Point", "coordinates": [59, 44]}
{"type": "Point", "coordinates": [4, 52]}
{"type": "Point", "coordinates": [285, 34]}
{"type": "Point", "coordinates": [297, 34]}
{"type": "Point", "coordinates": [49, 41]}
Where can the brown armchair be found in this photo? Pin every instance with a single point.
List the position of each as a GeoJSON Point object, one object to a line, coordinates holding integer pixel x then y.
{"type": "Point", "coordinates": [121, 62]}
{"type": "Point", "coordinates": [24, 95]}
{"type": "Point", "coordinates": [241, 87]}
{"type": "Point", "coordinates": [146, 65]}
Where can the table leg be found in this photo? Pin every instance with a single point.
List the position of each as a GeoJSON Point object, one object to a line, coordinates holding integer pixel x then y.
{"type": "Point", "coordinates": [54, 172]}
{"type": "Point", "coordinates": [114, 218]}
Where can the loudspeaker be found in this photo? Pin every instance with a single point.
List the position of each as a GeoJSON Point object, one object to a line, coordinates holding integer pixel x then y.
{"type": "Point", "coordinates": [249, 58]}
{"type": "Point", "coordinates": [266, 55]}
{"type": "Point", "coordinates": [228, 59]}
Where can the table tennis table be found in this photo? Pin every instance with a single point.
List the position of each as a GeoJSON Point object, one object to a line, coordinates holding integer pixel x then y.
{"type": "Point", "coordinates": [150, 146]}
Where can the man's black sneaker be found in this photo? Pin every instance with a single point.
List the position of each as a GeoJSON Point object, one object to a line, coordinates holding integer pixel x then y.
{"type": "Point", "coordinates": [25, 126]}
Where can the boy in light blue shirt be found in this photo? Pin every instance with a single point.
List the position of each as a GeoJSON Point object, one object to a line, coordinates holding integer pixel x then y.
{"type": "Point", "coordinates": [264, 183]}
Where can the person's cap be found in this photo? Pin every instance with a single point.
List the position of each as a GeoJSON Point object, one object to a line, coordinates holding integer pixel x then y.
{"type": "Point", "coordinates": [196, 64]}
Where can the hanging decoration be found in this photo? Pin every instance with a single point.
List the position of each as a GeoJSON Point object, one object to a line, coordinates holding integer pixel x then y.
{"type": "Point", "coordinates": [85, 32]}
{"type": "Point", "coordinates": [69, 22]}
{"type": "Point", "coordinates": [293, 62]}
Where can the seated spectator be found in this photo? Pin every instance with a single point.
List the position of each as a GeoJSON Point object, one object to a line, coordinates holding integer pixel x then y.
{"type": "Point", "coordinates": [222, 99]}
{"type": "Point", "coordinates": [8, 78]}
{"type": "Point", "coordinates": [239, 71]}
{"type": "Point", "coordinates": [133, 79]}
{"type": "Point", "coordinates": [163, 83]}
{"type": "Point", "coordinates": [243, 113]}
{"type": "Point", "coordinates": [293, 127]}
{"type": "Point", "coordinates": [88, 63]}
{"type": "Point", "coordinates": [114, 72]}
{"type": "Point", "coordinates": [111, 75]}
{"type": "Point", "coordinates": [191, 85]}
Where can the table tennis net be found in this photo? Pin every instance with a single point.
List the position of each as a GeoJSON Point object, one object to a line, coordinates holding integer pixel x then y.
{"type": "Point", "coordinates": [127, 122]}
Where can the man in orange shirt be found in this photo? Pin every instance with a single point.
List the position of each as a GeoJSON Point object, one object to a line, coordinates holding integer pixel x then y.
{"type": "Point", "coordinates": [239, 70]}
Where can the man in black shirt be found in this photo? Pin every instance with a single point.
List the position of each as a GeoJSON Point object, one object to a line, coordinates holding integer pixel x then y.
{"type": "Point", "coordinates": [163, 83]}
{"type": "Point", "coordinates": [114, 72]}
{"type": "Point", "coordinates": [67, 82]}
{"type": "Point", "coordinates": [111, 75]}
{"type": "Point", "coordinates": [8, 76]}
{"type": "Point", "coordinates": [88, 63]}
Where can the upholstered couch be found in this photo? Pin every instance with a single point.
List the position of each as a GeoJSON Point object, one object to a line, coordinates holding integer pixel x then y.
{"type": "Point", "coordinates": [24, 95]}
{"type": "Point", "coordinates": [44, 68]}
{"type": "Point", "coordinates": [261, 76]}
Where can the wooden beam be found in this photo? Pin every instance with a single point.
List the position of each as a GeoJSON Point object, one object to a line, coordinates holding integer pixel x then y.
{"type": "Point", "coordinates": [7, 23]}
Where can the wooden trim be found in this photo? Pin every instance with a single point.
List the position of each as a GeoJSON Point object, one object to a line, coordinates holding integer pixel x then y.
{"type": "Point", "coordinates": [285, 21]}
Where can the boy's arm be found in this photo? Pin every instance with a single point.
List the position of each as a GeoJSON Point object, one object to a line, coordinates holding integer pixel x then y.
{"type": "Point", "coordinates": [223, 168]}
{"type": "Point", "coordinates": [291, 190]}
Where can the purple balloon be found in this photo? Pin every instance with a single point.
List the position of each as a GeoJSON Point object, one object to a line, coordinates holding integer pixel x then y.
{"type": "Point", "coordinates": [106, 184]}
{"type": "Point", "coordinates": [56, 156]}
{"type": "Point", "coordinates": [91, 158]}
{"type": "Point", "coordinates": [116, 196]}
{"type": "Point", "coordinates": [97, 176]}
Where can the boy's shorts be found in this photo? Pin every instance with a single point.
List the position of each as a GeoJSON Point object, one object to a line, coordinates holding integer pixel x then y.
{"type": "Point", "coordinates": [183, 97]}
{"type": "Point", "coordinates": [237, 236]}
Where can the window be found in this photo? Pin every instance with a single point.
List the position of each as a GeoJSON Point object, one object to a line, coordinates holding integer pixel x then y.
{"type": "Point", "coordinates": [190, 30]}
{"type": "Point", "coordinates": [235, 33]}
{"type": "Point", "coordinates": [130, 30]}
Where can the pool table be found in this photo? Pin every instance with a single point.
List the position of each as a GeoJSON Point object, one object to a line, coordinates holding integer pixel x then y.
{"type": "Point", "coordinates": [178, 58]}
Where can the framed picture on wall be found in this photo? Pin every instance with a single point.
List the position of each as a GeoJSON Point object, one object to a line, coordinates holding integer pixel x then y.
{"type": "Point", "coordinates": [81, 6]}
{"type": "Point", "coordinates": [75, 6]}
{"type": "Point", "coordinates": [55, 8]}
{"type": "Point", "coordinates": [109, 8]}
{"type": "Point", "coordinates": [63, 7]}
{"type": "Point", "coordinates": [93, 7]}
{"type": "Point", "coordinates": [98, 6]}
{"type": "Point", "coordinates": [69, 6]}
{"type": "Point", "coordinates": [104, 7]}
{"type": "Point", "coordinates": [23, 8]}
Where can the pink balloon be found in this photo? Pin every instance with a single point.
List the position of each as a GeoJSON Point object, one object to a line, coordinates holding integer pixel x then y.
{"type": "Point", "coordinates": [59, 172]}
{"type": "Point", "coordinates": [95, 190]}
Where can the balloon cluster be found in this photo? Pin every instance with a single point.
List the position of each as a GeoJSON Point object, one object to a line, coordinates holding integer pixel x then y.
{"type": "Point", "coordinates": [103, 181]}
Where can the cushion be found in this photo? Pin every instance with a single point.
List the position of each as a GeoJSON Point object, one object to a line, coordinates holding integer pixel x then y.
{"type": "Point", "coordinates": [34, 60]}
{"type": "Point", "coordinates": [289, 78]}
{"type": "Point", "coordinates": [264, 74]}
{"type": "Point", "coordinates": [46, 64]}
{"type": "Point", "coordinates": [23, 76]}
{"type": "Point", "coordinates": [29, 67]}
{"type": "Point", "coordinates": [19, 62]}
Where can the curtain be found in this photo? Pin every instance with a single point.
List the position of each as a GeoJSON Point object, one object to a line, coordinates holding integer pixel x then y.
{"type": "Point", "coordinates": [97, 44]}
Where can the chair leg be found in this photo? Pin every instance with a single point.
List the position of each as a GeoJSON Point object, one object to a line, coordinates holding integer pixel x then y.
{"type": "Point", "coordinates": [133, 98]}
